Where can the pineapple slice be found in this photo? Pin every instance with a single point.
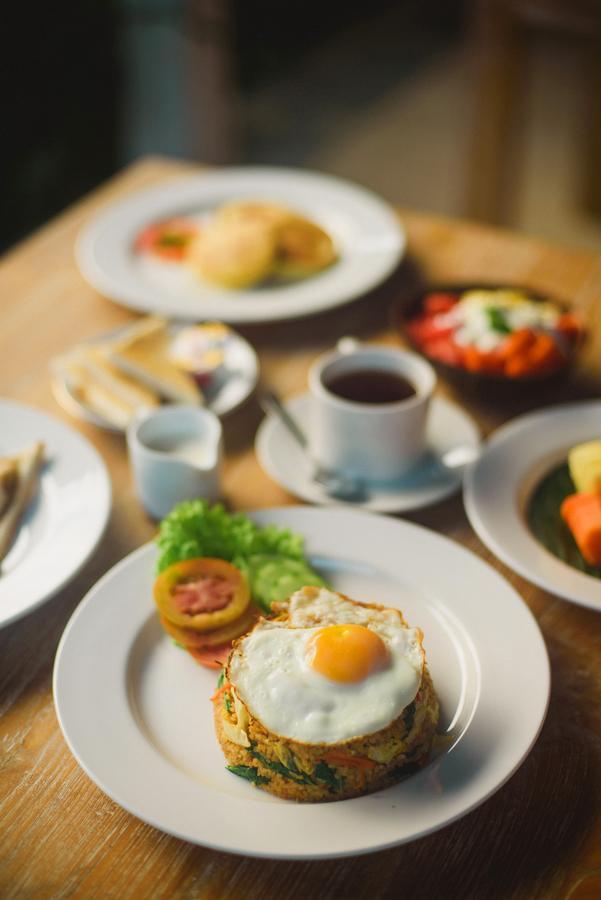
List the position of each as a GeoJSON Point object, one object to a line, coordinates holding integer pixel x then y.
{"type": "Point", "coordinates": [584, 462]}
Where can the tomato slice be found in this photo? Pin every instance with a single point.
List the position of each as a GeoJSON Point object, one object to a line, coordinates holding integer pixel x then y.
{"type": "Point", "coordinates": [212, 657]}
{"type": "Point", "coordinates": [201, 594]}
{"type": "Point", "coordinates": [199, 640]}
{"type": "Point", "coordinates": [439, 303]}
{"type": "Point", "coordinates": [168, 240]}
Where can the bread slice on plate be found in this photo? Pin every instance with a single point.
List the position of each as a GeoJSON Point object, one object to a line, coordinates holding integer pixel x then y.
{"type": "Point", "coordinates": [143, 354]}
{"type": "Point", "coordinates": [19, 479]}
{"type": "Point", "coordinates": [101, 386]}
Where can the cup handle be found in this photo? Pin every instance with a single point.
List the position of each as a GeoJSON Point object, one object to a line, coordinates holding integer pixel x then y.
{"type": "Point", "coordinates": [347, 344]}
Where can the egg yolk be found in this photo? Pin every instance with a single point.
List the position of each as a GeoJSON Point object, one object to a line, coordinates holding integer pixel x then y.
{"type": "Point", "coordinates": [347, 653]}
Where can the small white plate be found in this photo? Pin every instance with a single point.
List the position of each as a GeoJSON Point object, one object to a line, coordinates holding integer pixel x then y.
{"type": "Point", "coordinates": [136, 715]}
{"type": "Point", "coordinates": [452, 439]}
{"type": "Point", "coordinates": [229, 389]}
{"type": "Point", "coordinates": [366, 231]}
{"type": "Point", "coordinates": [499, 485]}
{"type": "Point", "coordinates": [63, 525]}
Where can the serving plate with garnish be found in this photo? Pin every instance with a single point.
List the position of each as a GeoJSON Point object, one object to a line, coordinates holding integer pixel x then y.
{"type": "Point", "coordinates": [513, 495]}
{"type": "Point", "coordinates": [135, 710]}
{"type": "Point", "coordinates": [367, 238]}
{"type": "Point", "coordinates": [64, 519]}
{"type": "Point", "coordinates": [105, 380]}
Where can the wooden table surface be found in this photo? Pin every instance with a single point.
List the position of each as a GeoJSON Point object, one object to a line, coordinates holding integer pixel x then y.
{"type": "Point", "coordinates": [538, 837]}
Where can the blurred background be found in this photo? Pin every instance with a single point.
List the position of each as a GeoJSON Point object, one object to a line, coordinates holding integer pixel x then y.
{"type": "Point", "coordinates": [483, 108]}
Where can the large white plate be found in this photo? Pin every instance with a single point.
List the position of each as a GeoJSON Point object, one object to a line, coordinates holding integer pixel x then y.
{"type": "Point", "coordinates": [135, 709]}
{"type": "Point", "coordinates": [63, 525]}
{"type": "Point", "coordinates": [499, 484]}
{"type": "Point", "coordinates": [452, 441]}
{"type": "Point", "coordinates": [233, 384]}
{"type": "Point", "coordinates": [367, 233]}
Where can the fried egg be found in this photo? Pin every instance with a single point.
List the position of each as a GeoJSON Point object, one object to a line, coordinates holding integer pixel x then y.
{"type": "Point", "coordinates": [333, 670]}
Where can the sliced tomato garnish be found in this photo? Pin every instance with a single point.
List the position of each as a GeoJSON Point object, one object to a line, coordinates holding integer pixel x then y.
{"type": "Point", "coordinates": [439, 303]}
{"type": "Point", "coordinates": [201, 594]}
{"type": "Point", "coordinates": [201, 640]}
{"type": "Point", "coordinates": [212, 657]}
{"type": "Point", "coordinates": [168, 240]}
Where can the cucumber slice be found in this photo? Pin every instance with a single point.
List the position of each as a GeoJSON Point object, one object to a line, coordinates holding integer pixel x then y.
{"type": "Point", "coordinates": [273, 578]}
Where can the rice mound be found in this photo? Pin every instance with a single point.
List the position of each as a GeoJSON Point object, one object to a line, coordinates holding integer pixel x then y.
{"type": "Point", "coordinates": [295, 770]}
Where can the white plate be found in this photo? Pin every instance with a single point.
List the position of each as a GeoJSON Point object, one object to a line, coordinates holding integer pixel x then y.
{"type": "Point", "coordinates": [499, 484]}
{"type": "Point", "coordinates": [366, 231]}
{"type": "Point", "coordinates": [63, 525]}
{"type": "Point", "coordinates": [233, 385]}
{"type": "Point", "coordinates": [452, 439]}
{"type": "Point", "coordinates": [135, 709]}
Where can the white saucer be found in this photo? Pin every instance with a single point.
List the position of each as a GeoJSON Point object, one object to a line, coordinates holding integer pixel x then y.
{"type": "Point", "coordinates": [452, 438]}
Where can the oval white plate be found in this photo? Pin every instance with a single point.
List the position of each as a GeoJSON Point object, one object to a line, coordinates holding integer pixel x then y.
{"type": "Point", "coordinates": [498, 485]}
{"type": "Point", "coordinates": [63, 525]}
{"type": "Point", "coordinates": [452, 439]}
{"type": "Point", "coordinates": [366, 231]}
{"type": "Point", "coordinates": [135, 709]}
{"type": "Point", "coordinates": [229, 391]}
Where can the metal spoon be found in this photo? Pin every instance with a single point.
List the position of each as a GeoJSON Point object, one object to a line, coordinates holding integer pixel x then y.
{"type": "Point", "coordinates": [337, 485]}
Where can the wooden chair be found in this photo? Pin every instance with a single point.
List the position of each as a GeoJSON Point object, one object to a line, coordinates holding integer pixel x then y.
{"type": "Point", "coordinates": [502, 30]}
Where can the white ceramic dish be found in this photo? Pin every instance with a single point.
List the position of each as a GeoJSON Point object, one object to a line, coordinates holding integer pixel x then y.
{"type": "Point", "coordinates": [366, 231]}
{"type": "Point", "coordinates": [452, 439]}
{"type": "Point", "coordinates": [135, 709]}
{"type": "Point", "coordinates": [231, 387]}
{"type": "Point", "coordinates": [63, 525]}
{"type": "Point", "coordinates": [498, 485]}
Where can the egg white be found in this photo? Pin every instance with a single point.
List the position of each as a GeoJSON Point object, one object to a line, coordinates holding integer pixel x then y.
{"type": "Point", "coordinates": [271, 675]}
{"type": "Point", "coordinates": [472, 323]}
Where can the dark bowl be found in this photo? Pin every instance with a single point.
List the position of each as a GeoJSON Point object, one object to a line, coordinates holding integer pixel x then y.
{"type": "Point", "coordinates": [483, 383]}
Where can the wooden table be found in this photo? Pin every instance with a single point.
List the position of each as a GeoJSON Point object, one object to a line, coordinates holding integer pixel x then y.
{"type": "Point", "coordinates": [538, 837]}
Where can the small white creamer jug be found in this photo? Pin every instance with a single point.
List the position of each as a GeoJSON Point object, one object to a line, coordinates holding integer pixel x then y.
{"type": "Point", "coordinates": [175, 453]}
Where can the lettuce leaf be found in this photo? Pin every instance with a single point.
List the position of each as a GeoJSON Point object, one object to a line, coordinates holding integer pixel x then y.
{"type": "Point", "coordinates": [195, 528]}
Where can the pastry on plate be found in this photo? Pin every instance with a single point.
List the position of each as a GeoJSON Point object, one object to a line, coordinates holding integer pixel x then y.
{"type": "Point", "coordinates": [266, 214]}
{"type": "Point", "coordinates": [331, 699]}
{"type": "Point", "coordinates": [120, 375]}
{"type": "Point", "coordinates": [19, 479]}
{"type": "Point", "coordinates": [143, 354]}
{"type": "Point", "coordinates": [234, 253]}
{"type": "Point", "coordinates": [302, 248]}
{"type": "Point", "coordinates": [102, 387]}
{"type": "Point", "coordinates": [249, 241]}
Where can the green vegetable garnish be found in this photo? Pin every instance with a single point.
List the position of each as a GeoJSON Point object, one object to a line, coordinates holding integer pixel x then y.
{"type": "Point", "coordinates": [274, 578]}
{"type": "Point", "coordinates": [409, 716]}
{"type": "Point", "coordinates": [251, 773]}
{"type": "Point", "coordinates": [292, 774]}
{"type": "Point", "coordinates": [324, 772]}
{"type": "Point", "coordinates": [497, 320]}
{"type": "Point", "coordinates": [172, 239]}
{"type": "Point", "coordinates": [272, 558]}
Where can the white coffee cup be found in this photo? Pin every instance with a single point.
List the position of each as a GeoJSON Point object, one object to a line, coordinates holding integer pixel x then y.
{"type": "Point", "coordinates": [175, 454]}
{"type": "Point", "coordinates": [372, 441]}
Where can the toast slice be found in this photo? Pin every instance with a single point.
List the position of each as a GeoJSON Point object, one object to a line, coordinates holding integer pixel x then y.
{"type": "Point", "coordinates": [24, 486]}
{"type": "Point", "coordinates": [9, 476]}
{"type": "Point", "coordinates": [145, 358]}
{"type": "Point", "coordinates": [102, 387]}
